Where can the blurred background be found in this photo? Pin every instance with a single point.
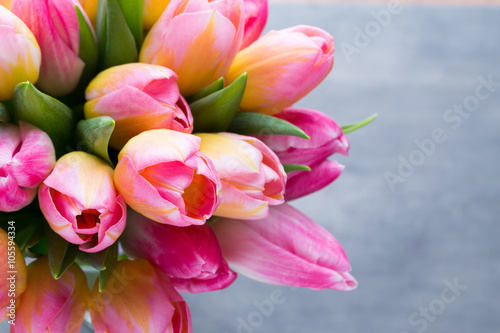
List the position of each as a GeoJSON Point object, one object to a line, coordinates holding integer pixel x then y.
{"type": "Point", "coordinates": [417, 213]}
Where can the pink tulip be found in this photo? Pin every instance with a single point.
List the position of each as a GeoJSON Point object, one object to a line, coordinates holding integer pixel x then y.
{"type": "Point", "coordinates": [287, 248]}
{"type": "Point", "coordinates": [55, 26]}
{"type": "Point", "coordinates": [198, 39]}
{"type": "Point", "coordinates": [190, 256]}
{"type": "Point", "coordinates": [20, 56]}
{"type": "Point", "coordinates": [326, 138]}
{"type": "Point", "coordinates": [138, 298]}
{"type": "Point", "coordinates": [251, 175]}
{"type": "Point", "coordinates": [282, 67]}
{"type": "Point", "coordinates": [11, 285]}
{"type": "Point", "coordinates": [80, 202]}
{"type": "Point", "coordinates": [255, 20]}
{"type": "Point", "coordinates": [27, 157]}
{"type": "Point", "coordinates": [139, 97]}
{"type": "Point", "coordinates": [49, 305]}
{"type": "Point", "coordinates": [162, 175]}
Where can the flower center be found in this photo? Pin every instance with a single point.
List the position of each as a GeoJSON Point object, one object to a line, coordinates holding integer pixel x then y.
{"type": "Point", "coordinates": [88, 219]}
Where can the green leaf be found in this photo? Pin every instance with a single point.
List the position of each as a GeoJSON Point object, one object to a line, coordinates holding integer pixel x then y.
{"type": "Point", "coordinates": [110, 262]}
{"type": "Point", "coordinates": [295, 167]}
{"type": "Point", "coordinates": [93, 135]}
{"type": "Point", "coordinates": [116, 43]}
{"type": "Point", "coordinates": [39, 249]}
{"type": "Point", "coordinates": [88, 50]}
{"type": "Point", "coordinates": [352, 127]}
{"type": "Point", "coordinates": [4, 114]}
{"type": "Point", "coordinates": [214, 112]}
{"type": "Point", "coordinates": [61, 253]}
{"type": "Point", "coordinates": [251, 123]}
{"type": "Point", "coordinates": [133, 12]}
{"type": "Point", "coordinates": [46, 113]}
{"type": "Point", "coordinates": [210, 89]}
{"type": "Point", "coordinates": [96, 260]}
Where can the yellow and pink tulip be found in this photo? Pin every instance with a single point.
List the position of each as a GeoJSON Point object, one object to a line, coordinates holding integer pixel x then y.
{"type": "Point", "coordinates": [11, 285]}
{"type": "Point", "coordinates": [251, 174]}
{"type": "Point", "coordinates": [139, 97]}
{"type": "Point", "coordinates": [27, 157]}
{"type": "Point", "coordinates": [138, 298]}
{"type": "Point", "coordinates": [198, 39]}
{"type": "Point", "coordinates": [55, 26]}
{"type": "Point", "coordinates": [20, 56]}
{"type": "Point", "coordinates": [80, 202]}
{"type": "Point", "coordinates": [190, 256]}
{"type": "Point", "coordinates": [163, 175]}
{"type": "Point", "coordinates": [49, 305]}
{"type": "Point", "coordinates": [152, 12]}
{"type": "Point", "coordinates": [282, 67]}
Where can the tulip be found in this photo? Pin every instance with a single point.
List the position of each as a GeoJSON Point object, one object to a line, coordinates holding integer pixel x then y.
{"type": "Point", "coordinates": [12, 261]}
{"type": "Point", "coordinates": [138, 298]}
{"type": "Point", "coordinates": [80, 202]}
{"type": "Point", "coordinates": [162, 175]}
{"type": "Point", "coordinates": [139, 97]}
{"type": "Point", "coordinates": [6, 3]}
{"type": "Point", "coordinates": [49, 305]}
{"type": "Point", "coordinates": [190, 256]}
{"type": "Point", "coordinates": [283, 66]}
{"type": "Point", "coordinates": [287, 248]}
{"type": "Point", "coordinates": [27, 157]}
{"type": "Point", "coordinates": [55, 26]}
{"type": "Point", "coordinates": [251, 175]}
{"type": "Point", "coordinates": [20, 56]}
{"type": "Point", "coordinates": [152, 12]}
{"type": "Point", "coordinates": [198, 39]}
{"type": "Point", "coordinates": [255, 20]}
{"type": "Point", "coordinates": [90, 7]}
{"type": "Point", "coordinates": [326, 138]}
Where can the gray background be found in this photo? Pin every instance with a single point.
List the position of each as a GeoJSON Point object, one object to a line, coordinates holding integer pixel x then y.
{"type": "Point", "coordinates": [440, 224]}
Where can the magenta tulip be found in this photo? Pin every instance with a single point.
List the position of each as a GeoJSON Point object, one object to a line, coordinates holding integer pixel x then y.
{"type": "Point", "coordinates": [81, 204]}
{"type": "Point", "coordinates": [283, 66]}
{"type": "Point", "coordinates": [326, 138]}
{"type": "Point", "coordinates": [190, 256]}
{"type": "Point", "coordinates": [255, 20]}
{"type": "Point", "coordinates": [138, 298]}
{"type": "Point", "coordinates": [55, 26]}
{"type": "Point", "coordinates": [198, 39]}
{"type": "Point", "coordinates": [287, 248]}
{"type": "Point", "coordinates": [27, 157]}
{"type": "Point", "coordinates": [163, 175]}
{"type": "Point", "coordinates": [251, 175]}
{"type": "Point", "coordinates": [139, 97]}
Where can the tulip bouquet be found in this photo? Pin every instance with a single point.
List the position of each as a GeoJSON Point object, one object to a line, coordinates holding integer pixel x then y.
{"type": "Point", "coordinates": [152, 146]}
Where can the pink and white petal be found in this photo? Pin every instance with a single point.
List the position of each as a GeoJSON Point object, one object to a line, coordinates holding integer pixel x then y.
{"type": "Point", "coordinates": [12, 197]}
{"type": "Point", "coordinates": [236, 204]}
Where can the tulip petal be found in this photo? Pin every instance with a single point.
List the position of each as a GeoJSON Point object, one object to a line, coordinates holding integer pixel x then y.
{"type": "Point", "coordinates": [302, 183]}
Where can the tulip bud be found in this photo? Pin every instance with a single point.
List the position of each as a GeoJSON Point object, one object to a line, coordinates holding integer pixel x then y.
{"type": "Point", "coordinates": [152, 12]}
{"type": "Point", "coordinates": [255, 20]}
{"type": "Point", "coordinates": [80, 202]}
{"type": "Point", "coordinates": [251, 175]}
{"type": "Point", "coordinates": [138, 97]}
{"type": "Point", "coordinates": [282, 67]}
{"type": "Point", "coordinates": [26, 158]}
{"type": "Point", "coordinates": [90, 8]}
{"type": "Point", "coordinates": [162, 175]}
{"type": "Point", "coordinates": [326, 138]}
{"type": "Point", "coordinates": [49, 305]}
{"type": "Point", "coordinates": [198, 39]}
{"type": "Point", "coordinates": [138, 298]}
{"type": "Point", "coordinates": [190, 256]}
{"type": "Point", "coordinates": [20, 56]}
{"type": "Point", "coordinates": [287, 248]}
{"type": "Point", "coordinates": [56, 28]}
{"type": "Point", "coordinates": [11, 285]}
